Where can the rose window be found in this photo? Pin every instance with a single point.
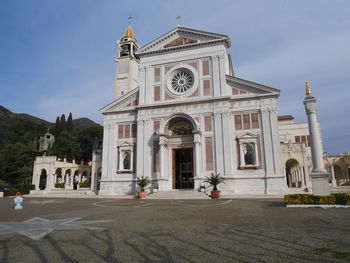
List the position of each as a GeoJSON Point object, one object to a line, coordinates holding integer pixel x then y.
{"type": "Point", "coordinates": [181, 81]}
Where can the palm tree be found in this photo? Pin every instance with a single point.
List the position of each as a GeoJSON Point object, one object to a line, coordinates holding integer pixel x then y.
{"type": "Point", "coordinates": [214, 180]}
{"type": "Point", "coordinates": [142, 182]}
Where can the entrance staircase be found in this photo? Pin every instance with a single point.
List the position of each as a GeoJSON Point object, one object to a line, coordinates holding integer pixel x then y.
{"type": "Point", "coordinates": [178, 194]}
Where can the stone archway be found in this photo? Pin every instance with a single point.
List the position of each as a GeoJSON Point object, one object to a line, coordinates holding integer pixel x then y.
{"type": "Point", "coordinates": [75, 180]}
{"type": "Point", "coordinates": [179, 152]}
{"type": "Point", "coordinates": [43, 179]}
{"type": "Point", "coordinates": [59, 177]}
{"type": "Point", "coordinates": [294, 174]}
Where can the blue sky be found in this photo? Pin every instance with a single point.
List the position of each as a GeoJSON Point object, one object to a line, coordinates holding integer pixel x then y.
{"type": "Point", "coordinates": [57, 56]}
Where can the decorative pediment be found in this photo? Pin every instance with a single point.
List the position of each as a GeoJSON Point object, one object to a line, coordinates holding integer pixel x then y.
{"type": "Point", "coordinates": [181, 37]}
{"type": "Point", "coordinates": [247, 136]}
{"type": "Point", "coordinates": [126, 144]}
{"type": "Point", "coordinates": [127, 102]}
{"type": "Point", "coordinates": [241, 87]}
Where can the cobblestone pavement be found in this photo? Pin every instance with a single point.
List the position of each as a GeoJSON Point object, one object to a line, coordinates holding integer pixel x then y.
{"type": "Point", "coordinates": [172, 231]}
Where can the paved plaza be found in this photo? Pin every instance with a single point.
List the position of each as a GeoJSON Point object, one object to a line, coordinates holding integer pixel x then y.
{"type": "Point", "coordinates": [105, 230]}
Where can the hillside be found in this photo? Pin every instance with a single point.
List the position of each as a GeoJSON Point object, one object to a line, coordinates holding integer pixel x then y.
{"type": "Point", "coordinates": [6, 114]}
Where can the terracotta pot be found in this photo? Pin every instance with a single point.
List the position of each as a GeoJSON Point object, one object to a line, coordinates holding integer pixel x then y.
{"type": "Point", "coordinates": [141, 194]}
{"type": "Point", "coordinates": [215, 194]}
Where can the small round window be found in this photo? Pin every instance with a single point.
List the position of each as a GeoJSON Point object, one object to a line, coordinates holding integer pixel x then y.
{"type": "Point", "coordinates": [181, 80]}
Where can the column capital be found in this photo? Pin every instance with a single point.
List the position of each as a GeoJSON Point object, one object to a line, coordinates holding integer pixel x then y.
{"type": "Point", "coordinates": [197, 138]}
{"type": "Point", "coordinates": [162, 140]}
{"type": "Point", "coordinates": [310, 105]}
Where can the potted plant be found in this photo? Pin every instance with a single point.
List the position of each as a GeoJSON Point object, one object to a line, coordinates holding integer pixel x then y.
{"type": "Point", "coordinates": [214, 180]}
{"type": "Point", "coordinates": [142, 182]}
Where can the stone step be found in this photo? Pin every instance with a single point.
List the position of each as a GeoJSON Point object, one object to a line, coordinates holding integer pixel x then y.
{"type": "Point", "coordinates": [178, 194]}
{"type": "Point", "coordinates": [61, 193]}
{"type": "Point", "coordinates": [340, 189]}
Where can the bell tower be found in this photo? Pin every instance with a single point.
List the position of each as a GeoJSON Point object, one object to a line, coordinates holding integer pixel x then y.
{"type": "Point", "coordinates": [127, 72]}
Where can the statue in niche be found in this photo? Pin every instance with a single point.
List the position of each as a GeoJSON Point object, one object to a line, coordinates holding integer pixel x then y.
{"type": "Point", "coordinates": [126, 161]}
{"type": "Point", "coordinates": [249, 155]}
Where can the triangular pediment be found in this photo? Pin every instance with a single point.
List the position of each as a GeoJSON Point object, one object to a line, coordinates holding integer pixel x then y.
{"type": "Point", "coordinates": [181, 37]}
{"type": "Point", "coordinates": [126, 102]}
{"type": "Point", "coordinates": [241, 87]}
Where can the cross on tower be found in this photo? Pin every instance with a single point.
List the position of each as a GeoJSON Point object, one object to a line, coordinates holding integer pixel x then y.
{"type": "Point", "coordinates": [178, 20]}
{"type": "Point", "coordinates": [129, 18]}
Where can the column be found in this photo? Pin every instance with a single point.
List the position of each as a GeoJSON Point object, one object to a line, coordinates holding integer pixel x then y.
{"type": "Point", "coordinates": [198, 166]}
{"type": "Point", "coordinates": [162, 157]}
{"type": "Point", "coordinates": [319, 176]}
{"type": "Point", "coordinates": [93, 172]}
{"type": "Point", "coordinates": [334, 181]}
{"type": "Point", "coordinates": [302, 177]}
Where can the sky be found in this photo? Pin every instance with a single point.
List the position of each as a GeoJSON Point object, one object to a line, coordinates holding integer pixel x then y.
{"type": "Point", "coordinates": [57, 56]}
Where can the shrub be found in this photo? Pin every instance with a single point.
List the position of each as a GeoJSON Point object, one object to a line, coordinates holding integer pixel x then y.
{"type": "Point", "coordinates": [307, 199]}
{"type": "Point", "coordinates": [59, 185]}
{"type": "Point", "coordinates": [84, 184]}
{"type": "Point", "coordinates": [25, 188]}
{"type": "Point", "coordinates": [342, 199]}
{"type": "Point", "coordinates": [327, 200]}
{"type": "Point", "coordinates": [10, 192]}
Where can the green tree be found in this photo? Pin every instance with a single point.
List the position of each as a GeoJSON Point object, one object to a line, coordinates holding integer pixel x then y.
{"type": "Point", "coordinates": [57, 128]}
{"type": "Point", "coordinates": [70, 125]}
{"type": "Point", "coordinates": [63, 123]}
{"type": "Point", "coordinates": [86, 140]}
{"type": "Point", "coordinates": [67, 145]}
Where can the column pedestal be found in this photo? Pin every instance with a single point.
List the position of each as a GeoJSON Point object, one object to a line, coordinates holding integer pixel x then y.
{"type": "Point", "coordinates": [320, 183]}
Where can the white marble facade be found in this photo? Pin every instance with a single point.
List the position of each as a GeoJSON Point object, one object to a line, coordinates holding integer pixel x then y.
{"type": "Point", "coordinates": [190, 108]}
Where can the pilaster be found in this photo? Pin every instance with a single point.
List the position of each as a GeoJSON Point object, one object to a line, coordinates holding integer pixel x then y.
{"type": "Point", "coordinates": [218, 143]}
{"type": "Point", "coordinates": [229, 161]}
{"type": "Point", "coordinates": [216, 76]}
{"type": "Point", "coordinates": [140, 147]}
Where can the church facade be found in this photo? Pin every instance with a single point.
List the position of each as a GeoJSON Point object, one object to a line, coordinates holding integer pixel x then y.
{"type": "Point", "coordinates": [180, 114]}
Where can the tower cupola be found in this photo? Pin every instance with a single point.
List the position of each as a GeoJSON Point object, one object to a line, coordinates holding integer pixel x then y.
{"type": "Point", "coordinates": [127, 63]}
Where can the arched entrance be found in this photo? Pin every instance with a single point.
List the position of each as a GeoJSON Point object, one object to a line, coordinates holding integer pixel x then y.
{"type": "Point", "coordinates": [294, 173]}
{"type": "Point", "coordinates": [75, 180]}
{"type": "Point", "coordinates": [179, 136]}
{"type": "Point", "coordinates": [59, 178]}
{"type": "Point", "coordinates": [43, 178]}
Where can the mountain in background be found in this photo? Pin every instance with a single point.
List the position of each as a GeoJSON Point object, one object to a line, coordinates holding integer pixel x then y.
{"type": "Point", "coordinates": [6, 114]}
